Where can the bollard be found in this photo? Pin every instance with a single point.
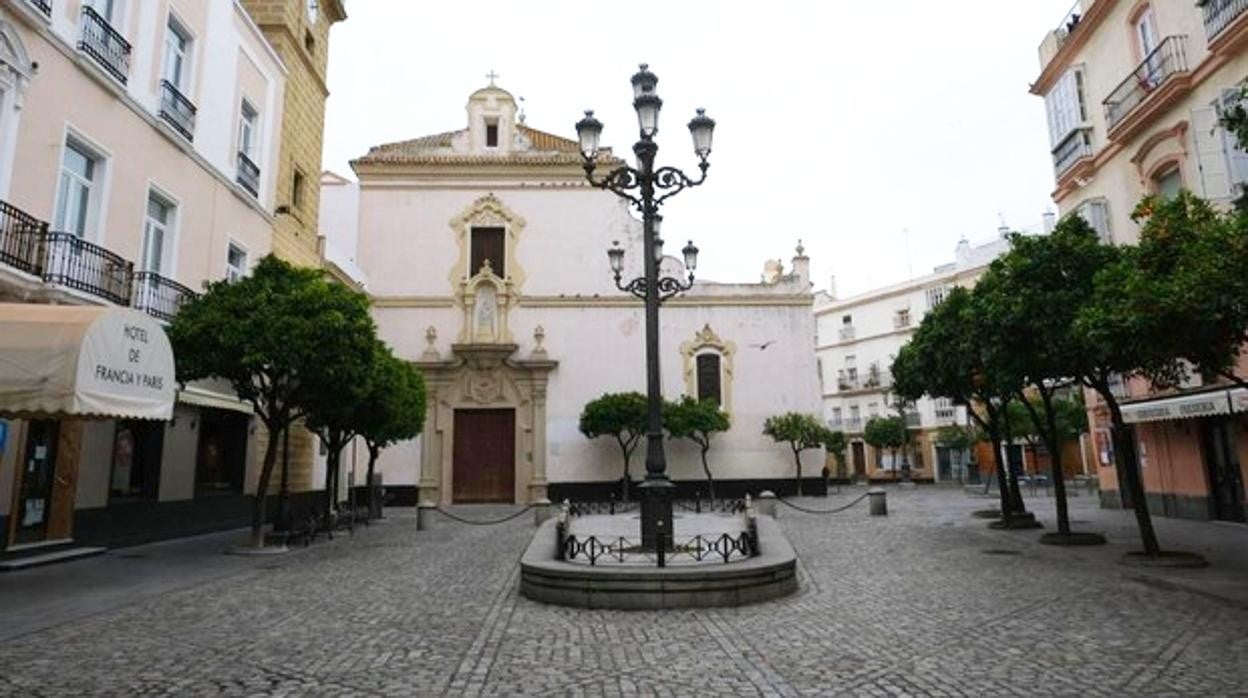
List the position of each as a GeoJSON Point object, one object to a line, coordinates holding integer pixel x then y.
{"type": "Point", "coordinates": [424, 515]}
{"type": "Point", "coordinates": [542, 510]}
{"type": "Point", "coordinates": [878, 498]}
{"type": "Point", "coordinates": [767, 503]}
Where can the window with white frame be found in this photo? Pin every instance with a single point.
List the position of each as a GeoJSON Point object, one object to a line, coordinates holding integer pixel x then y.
{"type": "Point", "coordinates": [177, 56]}
{"type": "Point", "coordinates": [1066, 107]}
{"type": "Point", "coordinates": [1096, 213]}
{"type": "Point", "coordinates": [110, 10]}
{"type": "Point", "coordinates": [158, 234]}
{"type": "Point", "coordinates": [855, 414]}
{"type": "Point", "coordinates": [836, 417]}
{"type": "Point", "coordinates": [76, 195]}
{"type": "Point", "coordinates": [235, 262]}
{"type": "Point", "coordinates": [248, 134]}
{"type": "Point", "coordinates": [1236, 157]}
{"type": "Point", "coordinates": [936, 295]}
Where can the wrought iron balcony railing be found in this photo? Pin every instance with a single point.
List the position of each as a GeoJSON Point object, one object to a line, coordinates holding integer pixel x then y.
{"type": "Point", "coordinates": [177, 110]}
{"type": "Point", "coordinates": [248, 174]}
{"type": "Point", "coordinates": [104, 44]}
{"type": "Point", "coordinates": [945, 415]}
{"type": "Point", "coordinates": [21, 239]}
{"type": "Point", "coordinates": [1069, 23]}
{"type": "Point", "coordinates": [158, 296]}
{"type": "Point", "coordinates": [70, 261]}
{"type": "Point", "coordinates": [1220, 13]}
{"type": "Point", "coordinates": [1077, 145]}
{"type": "Point", "coordinates": [853, 424]}
{"type": "Point", "coordinates": [1168, 59]}
{"type": "Point", "coordinates": [44, 6]}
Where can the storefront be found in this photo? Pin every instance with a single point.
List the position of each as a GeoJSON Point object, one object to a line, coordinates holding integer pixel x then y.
{"type": "Point", "coordinates": [64, 372]}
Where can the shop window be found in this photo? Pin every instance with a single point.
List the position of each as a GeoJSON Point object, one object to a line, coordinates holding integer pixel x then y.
{"type": "Point", "coordinates": [221, 457]}
{"type": "Point", "coordinates": [137, 447]}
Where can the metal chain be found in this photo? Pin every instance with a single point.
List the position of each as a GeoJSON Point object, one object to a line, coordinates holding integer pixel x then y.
{"type": "Point", "coordinates": [820, 511]}
{"type": "Point", "coordinates": [495, 522]}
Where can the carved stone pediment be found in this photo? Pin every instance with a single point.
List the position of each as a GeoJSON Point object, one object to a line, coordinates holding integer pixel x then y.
{"type": "Point", "coordinates": [483, 356]}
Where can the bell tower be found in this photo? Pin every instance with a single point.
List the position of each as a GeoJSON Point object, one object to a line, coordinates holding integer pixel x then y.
{"type": "Point", "coordinates": [298, 31]}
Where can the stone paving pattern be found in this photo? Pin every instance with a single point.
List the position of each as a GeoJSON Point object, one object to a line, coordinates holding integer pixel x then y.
{"type": "Point", "coordinates": [907, 605]}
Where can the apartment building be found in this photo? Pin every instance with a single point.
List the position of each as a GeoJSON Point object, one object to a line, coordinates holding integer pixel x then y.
{"type": "Point", "coordinates": [1132, 92]}
{"type": "Point", "coordinates": [857, 339]}
{"type": "Point", "coordinates": [139, 144]}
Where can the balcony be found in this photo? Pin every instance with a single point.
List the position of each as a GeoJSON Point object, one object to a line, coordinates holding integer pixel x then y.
{"type": "Point", "coordinates": [1165, 62]}
{"type": "Point", "coordinates": [21, 239]}
{"type": "Point", "coordinates": [913, 420]}
{"type": "Point", "coordinates": [72, 262]}
{"type": "Point", "coordinates": [946, 415]}
{"type": "Point", "coordinates": [853, 424]}
{"type": "Point", "coordinates": [1219, 14]}
{"type": "Point", "coordinates": [177, 110]}
{"type": "Point", "coordinates": [104, 44]}
{"type": "Point", "coordinates": [158, 296]}
{"type": "Point", "coordinates": [846, 333]}
{"type": "Point", "coordinates": [836, 424]}
{"type": "Point", "coordinates": [1078, 145]}
{"type": "Point", "coordinates": [248, 175]}
{"type": "Point", "coordinates": [1069, 24]}
{"type": "Point", "coordinates": [44, 7]}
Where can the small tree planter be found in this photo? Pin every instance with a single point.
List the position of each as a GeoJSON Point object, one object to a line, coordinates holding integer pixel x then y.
{"type": "Point", "coordinates": [1166, 559]}
{"type": "Point", "coordinates": [1072, 539]}
{"type": "Point", "coordinates": [1017, 522]}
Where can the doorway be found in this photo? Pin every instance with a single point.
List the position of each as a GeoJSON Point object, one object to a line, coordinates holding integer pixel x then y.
{"type": "Point", "coordinates": [484, 456]}
{"type": "Point", "coordinates": [38, 469]}
{"type": "Point", "coordinates": [859, 452]}
{"type": "Point", "coordinates": [944, 463]}
{"type": "Point", "coordinates": [1226, 485]}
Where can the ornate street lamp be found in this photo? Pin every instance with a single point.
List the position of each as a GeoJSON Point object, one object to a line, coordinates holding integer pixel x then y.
{"type": "Point", "coordinates": [646, 188]}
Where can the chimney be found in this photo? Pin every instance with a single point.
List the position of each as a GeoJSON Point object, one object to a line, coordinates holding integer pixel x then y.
{"type": "Point", "coordinates": [1050, 221]}
{"type": "Point", "coordinates": [832, 287]}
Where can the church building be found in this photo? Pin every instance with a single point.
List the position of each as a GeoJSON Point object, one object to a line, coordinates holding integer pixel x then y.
{"type": "Point", "coordinates": [484, 253]}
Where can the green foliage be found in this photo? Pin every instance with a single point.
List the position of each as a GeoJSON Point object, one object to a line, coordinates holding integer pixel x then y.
{"type": "Point", "coordinates": [393, 409]}
{"type": "Point", "coordinates": [287, 341]}
{"type": "Point", "coordinates": [800, 431]}
{"type": "Point", "coordinates": [836, 443]}
{"type": "Point", "coordinates": [697, 421]}
{"type": "Point", "coordinates": [885, 433]}
{"type": "Point", "coordinates": [621, 416]}
{"type": "Point", "coordinates": [954, 437]}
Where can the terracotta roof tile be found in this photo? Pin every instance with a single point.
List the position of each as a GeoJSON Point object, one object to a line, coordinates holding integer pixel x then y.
{"type": "Point", "coordinates": [546, 149]}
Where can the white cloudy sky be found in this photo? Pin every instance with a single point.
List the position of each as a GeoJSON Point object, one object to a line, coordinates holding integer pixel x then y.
{"type": "Point", "coordinates": [842, 123]}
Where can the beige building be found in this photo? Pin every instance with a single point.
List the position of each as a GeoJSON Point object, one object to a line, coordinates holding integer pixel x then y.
{"type": "Point", "coordinates": [1132, 91]}
{"type": "Point", "coordinates": [139, 144]}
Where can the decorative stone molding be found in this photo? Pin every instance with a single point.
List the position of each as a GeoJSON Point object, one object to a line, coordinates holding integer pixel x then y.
{"type": "Point", "coordinates": [486, 301]}
{"type": "Point", "coordinates": [487, 211]}
{"type": "Point", "coordinates": [431, 350]}
{"type": "Point", "coordinates": [706, 341]}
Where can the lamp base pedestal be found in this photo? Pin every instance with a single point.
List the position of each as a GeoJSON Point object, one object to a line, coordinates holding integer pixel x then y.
{"type": "Point", "coordinates": [656, 513]}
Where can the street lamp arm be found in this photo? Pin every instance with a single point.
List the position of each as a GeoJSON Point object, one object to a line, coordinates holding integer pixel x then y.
{"type": "Point", "coordinates": [621, 181]}
{"type": "Point", "coordinates": [672, 181]}
{"type": "Point", "coordinates": [667, 286]}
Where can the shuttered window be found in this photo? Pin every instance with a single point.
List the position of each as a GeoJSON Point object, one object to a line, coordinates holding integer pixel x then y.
{"type": "Point", "coordinates": [488, 243]}
{"type": "Point", "coordinates": [1096, 213]}
{"type": "Point", "coordinates": [708, 378]}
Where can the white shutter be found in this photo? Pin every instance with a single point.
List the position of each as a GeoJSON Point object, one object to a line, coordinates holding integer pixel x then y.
{"type": "Point", "coordinates": [1210, 156]}
{"type": "Point", "coordinates": [1237, 159]}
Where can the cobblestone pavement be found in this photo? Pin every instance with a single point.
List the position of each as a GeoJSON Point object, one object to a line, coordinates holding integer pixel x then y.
{"type": "Point", "coordinates": [924, 602]}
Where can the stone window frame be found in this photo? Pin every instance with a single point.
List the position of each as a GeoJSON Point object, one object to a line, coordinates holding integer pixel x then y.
{"type": "Point", "coordinates": [707, 341]}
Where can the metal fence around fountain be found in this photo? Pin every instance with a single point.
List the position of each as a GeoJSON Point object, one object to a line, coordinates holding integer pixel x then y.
{"type": "Point", "coordinates": [620, 549]}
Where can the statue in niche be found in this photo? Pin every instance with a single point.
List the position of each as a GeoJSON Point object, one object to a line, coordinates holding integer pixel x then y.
{"type": "Point", "coordinates": [485, 314]}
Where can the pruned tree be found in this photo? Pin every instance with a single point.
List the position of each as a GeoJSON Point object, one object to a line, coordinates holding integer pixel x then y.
{"type": "Point", "coordinates": [886, 434]}
{"type": "Point", "coordinates": [801, 432]}
{"type": "Point", "coordinates": [276, 336]}
{"type": "Point", "coordinates": [836, 444]}
{"type": "Point", "coordinates": [698, 421]}
{"type": "Point", "coordinates": [393, 410]}
{"type": "Point", "coordinates": [622, 416]}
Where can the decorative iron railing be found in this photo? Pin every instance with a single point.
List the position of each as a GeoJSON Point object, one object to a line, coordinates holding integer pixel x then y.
{"type": "Point", "coordinates": [1220, 13]}
{"type": "Point", "coordinates": [712, 506]}
{"type": "Point", "coordinates": [103, 43]}
{"type": "Point", "coordinates": [158, 296]}
{"type": "Point", "coordinates": [609, 508]}
{"type": "Point", "coordinates": [725, 547]}
{"type": "Point", "coordinates": [44, 6]}
{"type": "Point", "coordinates": [70, 261]}
{"type": "Point", "coordinates": [21, 239]}
{"type": "Point", "coordinates": [853, 424]}
{"type": "Point", "coordinates": [1165, 61]}
{"type": "Point", "coordinates": [248, 174]}
{"type": "Point", "coordinates": [1077, 145]}
{"type": "Point", "coordinates": [177, 110]}
{"type": "Point", "coordinates": [946, 414]}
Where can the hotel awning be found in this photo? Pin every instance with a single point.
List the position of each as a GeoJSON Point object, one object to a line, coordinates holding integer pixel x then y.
{"type": "Point", "coordinates": [1204, 404]}
{"type": "Point", "coordinates": [83, 361]}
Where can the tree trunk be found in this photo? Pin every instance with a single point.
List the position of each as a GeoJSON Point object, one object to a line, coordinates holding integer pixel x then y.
{"type": "Point", "coordinates": [262, 488]}
{"type": "Point", "coordinates": [1055, 461]}
{"type": "Point", "coordinates": [331, 477]}
{"type": "Point", "coordinates": [710, 481]}
{"type": "Point", "coordinates": [374, 500]}
{"type": "Point", "coordinates": [797, 458]}
{"type": "Point", "coordinates": [1124, 452]}
{"type": "Point", "coordinates": [1007, 504]}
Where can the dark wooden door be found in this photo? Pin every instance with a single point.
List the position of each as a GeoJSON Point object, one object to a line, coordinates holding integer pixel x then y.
{"type": "Point", "coordinates": [34, 501]}
{"type": "Point", "coordinates": [1225, 483]}
{"type": "Point", "coordinates": [484, 459]}
{"type": "Point", "coordinates": [860, 460]}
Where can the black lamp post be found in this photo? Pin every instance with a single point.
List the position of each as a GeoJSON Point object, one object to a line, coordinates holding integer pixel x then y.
{"type": "Point", "coordinates": [647, 188]}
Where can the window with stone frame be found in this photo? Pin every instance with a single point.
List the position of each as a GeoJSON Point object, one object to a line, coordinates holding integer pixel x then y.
{"type": "Point", "coordinates": [709, 378]}
{"type": "Point", "coordinates": [488, 244]}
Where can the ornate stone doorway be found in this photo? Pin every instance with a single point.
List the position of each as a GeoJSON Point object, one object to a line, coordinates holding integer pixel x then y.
{"type": "Point", "coordinates": [475, 396]}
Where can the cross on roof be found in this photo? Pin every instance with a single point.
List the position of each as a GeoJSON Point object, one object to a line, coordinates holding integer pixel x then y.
{"type": "Point", "coordinates": [491, 75]}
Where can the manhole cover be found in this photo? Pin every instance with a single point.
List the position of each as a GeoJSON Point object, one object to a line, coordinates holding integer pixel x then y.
{"type": "Point", "coordinates": [1001, 551]}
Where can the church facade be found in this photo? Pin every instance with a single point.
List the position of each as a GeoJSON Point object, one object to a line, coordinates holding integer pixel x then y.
{"type": "Point", "coordinates": [484, 254]}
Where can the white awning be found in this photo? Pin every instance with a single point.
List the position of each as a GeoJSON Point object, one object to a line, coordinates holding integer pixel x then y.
{"type": "Point", "coordinates": [84, 361]}
{"type": "Point", "coordinates": [1204, 404]}
{"type": "Point", "coordinates": [213, 393]}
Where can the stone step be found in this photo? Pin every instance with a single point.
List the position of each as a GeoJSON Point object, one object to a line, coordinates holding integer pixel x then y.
{"type": "Point", "coordinates": [62, 555]}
